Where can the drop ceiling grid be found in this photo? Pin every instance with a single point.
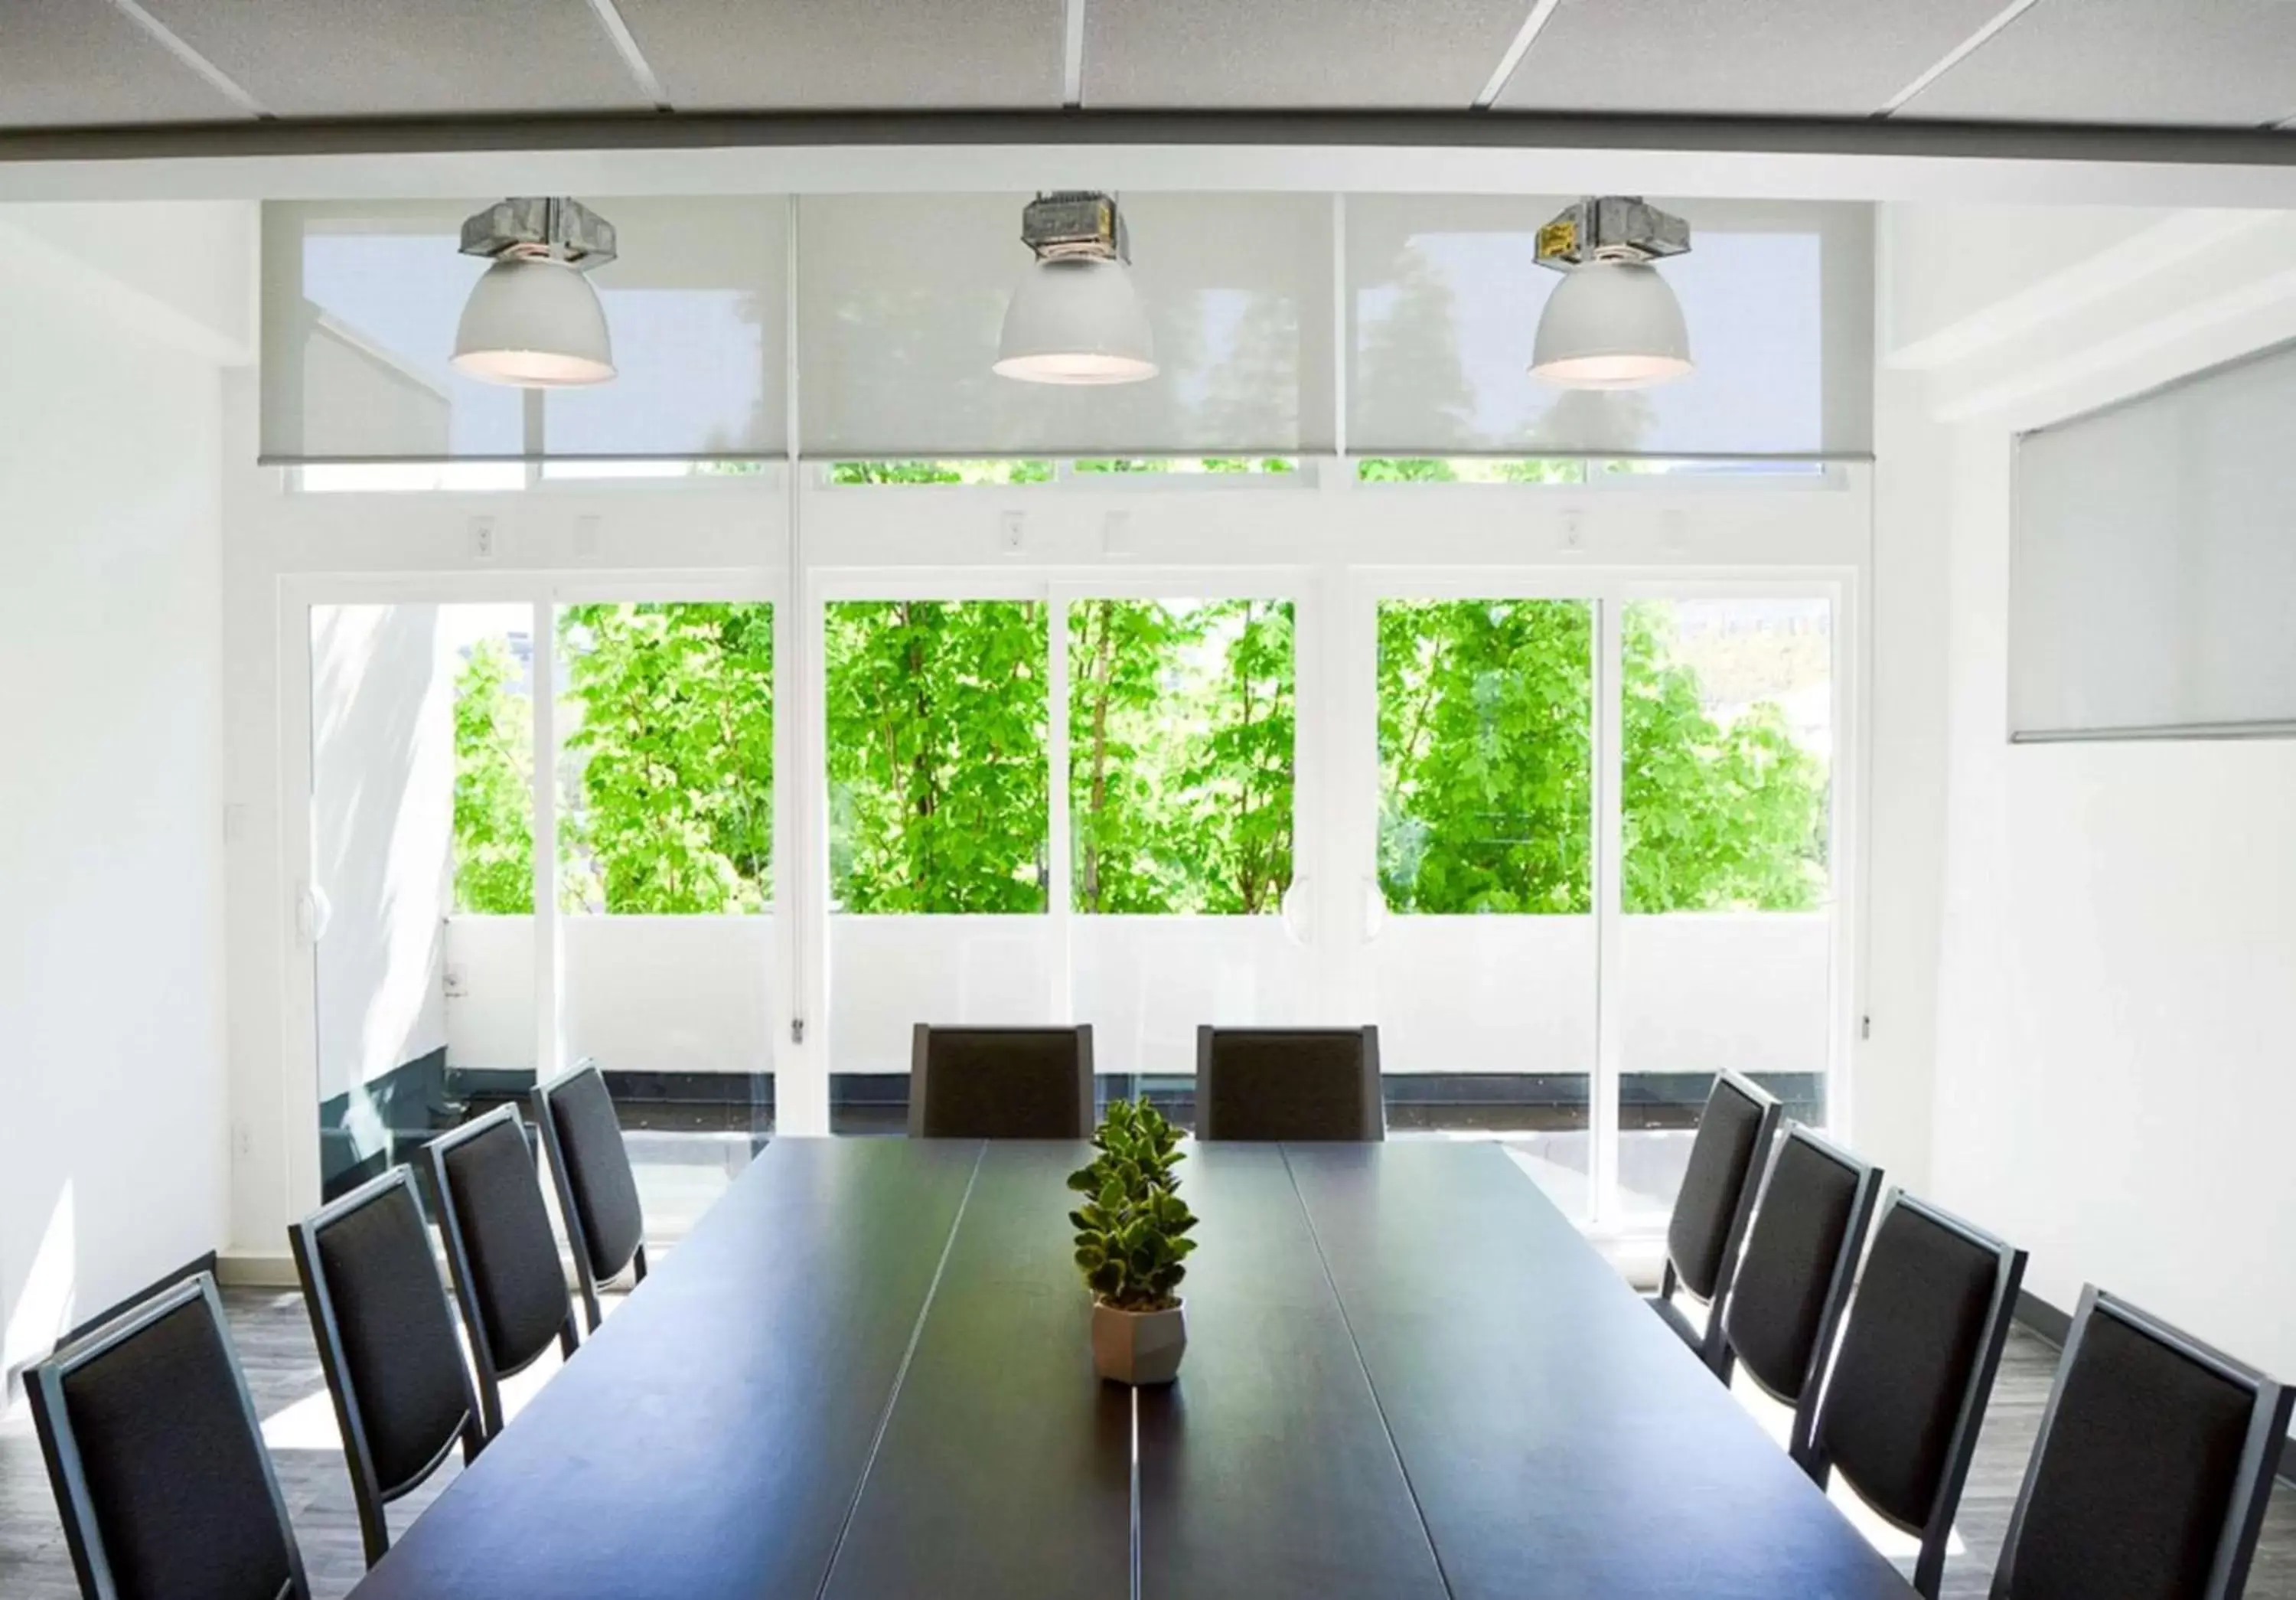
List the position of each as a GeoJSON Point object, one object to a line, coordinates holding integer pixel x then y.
{"type": "Point", "coordinates": [359, 58]}
{"type": "Point", "coordinates": [736, 55]}
{"type": "Point", "coordinates": [82, 63]}
{"type": "Point", "coordinates": [1783, 58]}
{"type": "Point", "coordinates": [2167, 62]}
{"type": "Point", "coordinates": [1283, 54]}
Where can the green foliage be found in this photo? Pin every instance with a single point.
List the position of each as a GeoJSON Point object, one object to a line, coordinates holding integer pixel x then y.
{"type": "Point", "coordinates": [1421, 469]}
{"type": "Point", "coordinates": [1131, 1231]}
{"type": "Point", "coordinates": [937, 785]}
{"type": "Point", "coordinates": [1000, 472]}
{"type": "Point", "coordinates": [1485, 736]}
{"type": "Point", "coordinates": [1180, 755]}
{"type": "Point", "coordinates": [1715, 817]}
{"type": "Point", "coordinates": [494, 776]}
{"type": "Point", "coordinates": [1486, 755]}
{"type": "Point", "coordinates": [673, 756]}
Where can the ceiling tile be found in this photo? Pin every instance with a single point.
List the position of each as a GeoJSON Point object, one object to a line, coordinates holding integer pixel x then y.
{"type": "Point", "coordinates": [859, 54]}
{"type": "Point", "coordinates": [1749, 58]}
{"type": "Point", "coordinates": [72, 63]}
{"type": "Point", "coordinates": [358, 58]}
{"type": "Point", "coordinates": [1287, 53]}
{"type": "Point", "coordinates": [2164, 63]}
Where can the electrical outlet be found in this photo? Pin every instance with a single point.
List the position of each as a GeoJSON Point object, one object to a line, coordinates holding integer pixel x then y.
{"type": "Point", "coordinates": [242, 1141]}
{"type": "Point", "coordinates": [1674, 533]}
{"type": "Point", "coordinates": [1116, 534]}
{"type": "Point", "coordinates": [482, 538]}
{"type": "Point", "coordinates": [1010, 533]}
{"type": "Point", "coordinates": [587, 536]}
{"type": "Point", "coordinates": [1574, 532]}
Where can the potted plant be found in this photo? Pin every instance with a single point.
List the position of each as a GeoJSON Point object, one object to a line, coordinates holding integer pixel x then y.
{"type": "Point", "coordinates": [1131, 1240]}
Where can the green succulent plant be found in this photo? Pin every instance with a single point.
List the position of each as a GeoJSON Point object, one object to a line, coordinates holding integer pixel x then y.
{"type": "Point", "coordinates": [1132, 1228]}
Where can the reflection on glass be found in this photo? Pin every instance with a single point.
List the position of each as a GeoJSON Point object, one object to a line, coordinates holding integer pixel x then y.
{"type": "Point", "coordinates": [1726, 874]}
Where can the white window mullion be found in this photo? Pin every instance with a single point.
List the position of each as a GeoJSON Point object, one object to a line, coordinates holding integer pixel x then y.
{"type": "Point", "coordinates": [1610, 728]}
{"type": "Point", "coordinates": [1061, 860]}
{"type": "Point", "coordinates": [549, 936]}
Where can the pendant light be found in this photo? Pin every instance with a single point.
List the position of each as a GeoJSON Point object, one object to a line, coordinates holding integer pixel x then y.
{"type": "Point", "coordinates": [1613, 321]}
{"type": "Point", "coordinates": [533, 321]}
{"type": "Point", "coordinates": [1075, 317]}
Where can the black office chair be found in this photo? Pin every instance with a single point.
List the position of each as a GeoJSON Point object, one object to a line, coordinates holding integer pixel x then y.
{"type": "Point", "coordinates": [157, 1459]}
{"type": "Point", "coordinates": [1794, 1277]}
{"type": "Point", "coordinates": [2154, 1463]}
{"type": "Point", "coordinates": [1907, 1394]}
{"type": "Point", "coordinates": [1001, 1083]}
{"type": "Point", "coordinates": [597, 1192]}
{"type": "Point", "coordinates": [1288, 1083]}
{"type": "Point", "coordinates": [1710, 1212]}
{"type": "Point", "coordinates": [388, 1344]}
{"type": "Point", "coordinates": [500, 1251]}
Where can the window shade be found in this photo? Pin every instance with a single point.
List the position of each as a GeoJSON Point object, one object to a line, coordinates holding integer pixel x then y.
{"type": "Point", "coordinates": [2152, 576]}
{"type": "Point", "coordinates": [901, 299]}
{"type": "Point", "coordinates": [1444, 294]}
{"type": "Point", "coordinates": [361, 300]}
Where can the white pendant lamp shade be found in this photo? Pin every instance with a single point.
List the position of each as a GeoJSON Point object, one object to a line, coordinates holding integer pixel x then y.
{"type": "Point", "coordinates": [1076, 320]}
{"type": "Point", "coordinates": [1611, 324]}
{"type": "Point", "coordinates": [535, 322]}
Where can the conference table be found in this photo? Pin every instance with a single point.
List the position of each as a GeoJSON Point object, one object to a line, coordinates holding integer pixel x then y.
{"type": "Point", "coordinates": [866, 1374]}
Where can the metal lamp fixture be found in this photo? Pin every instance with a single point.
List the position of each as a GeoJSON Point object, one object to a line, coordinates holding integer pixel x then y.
{"type": "Point", "coordinates": [1076, 319]}
{"type": "Point", "coordinates": [1612, 322]}
{"type": "Point", "coordinates": [533, 320]}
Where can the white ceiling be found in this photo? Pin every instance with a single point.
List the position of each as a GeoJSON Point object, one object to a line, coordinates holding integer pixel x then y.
{"type": "Point", "coordinates": [92, 64]}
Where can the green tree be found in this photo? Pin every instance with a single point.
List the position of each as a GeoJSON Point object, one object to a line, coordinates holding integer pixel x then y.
{"type": "Point", "coordinates": [672, 749]}
{"type": "Point", "coordinates": [1714, 816]}
{"type": "Point", "coordinates": [494, 768]}
{"type": "Point", "coordinates": [1486, 756]}
{"type": "Point", "coordinates": [1181, 730]}
{"type": "Point", "coordinates": [937, 755]}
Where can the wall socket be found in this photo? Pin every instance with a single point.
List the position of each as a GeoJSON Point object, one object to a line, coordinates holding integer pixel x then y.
{"type": "Point", "coordinates": [1574, 532]}
{"type": "Point", "coordinates": [482, 538]}
{"type": "Point", "coordinates": [1010, 533]}
{"type": "Point", "coordinates": [587, 536]}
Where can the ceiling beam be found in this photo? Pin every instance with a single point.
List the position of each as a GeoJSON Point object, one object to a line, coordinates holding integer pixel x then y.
{"type": "Point", "coordinates": [1463, 152]}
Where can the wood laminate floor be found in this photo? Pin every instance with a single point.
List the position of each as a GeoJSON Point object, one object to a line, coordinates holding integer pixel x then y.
{"type": "Point", "coordinates": [274, 1343]}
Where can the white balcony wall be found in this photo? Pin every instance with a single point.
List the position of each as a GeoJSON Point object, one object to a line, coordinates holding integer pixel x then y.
{"type": "Point", "coordinates": [689, 994]}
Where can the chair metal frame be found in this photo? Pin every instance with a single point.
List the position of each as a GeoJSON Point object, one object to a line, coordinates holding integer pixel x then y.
{"type": "Point", "coordinates": [921, 1050]}
{"type": "Point", "coordinates": [1711, 1347]}
{"type": "Point", "coordinates": [458, 1264]}
{"type": "Point", "coordinates": [1370, 1087]}
{"type": "Point", "coordinates": [60, 1442]}
{"type": "Point", "coordinates": [1936, 1529]}
{"type": "Point", "coordinates": [2270, 1403]}
{"type": "Point", "coordinates": [1866, 1188]}
{"type": "Point", "coordinates": [367, 1490]}
{"type": "Point", "coordinates": [545, 1119]}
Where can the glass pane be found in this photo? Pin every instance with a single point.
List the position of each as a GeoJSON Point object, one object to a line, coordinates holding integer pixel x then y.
{"type": "Point", "coordinates": [939, 834]}
{"type": "Point", "coordinates": [422, 758]}
{"type": "Point", "coordinates": [665, 880]}
{"type": "Point", "coordinates": [1726, 876]}
{"type": "Point", "coordinates": [1180, 786]}
{"type": "Point", "coordinates": [1486, 959]}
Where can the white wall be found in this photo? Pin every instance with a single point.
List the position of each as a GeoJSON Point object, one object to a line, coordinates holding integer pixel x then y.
{"type": "Point", "coordinates": [2114, 1007]}
{"type": "Point", "coordinates": [113, 1148]}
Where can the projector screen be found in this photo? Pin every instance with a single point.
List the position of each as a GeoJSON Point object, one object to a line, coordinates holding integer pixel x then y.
{"type": "Point", "coordinates": [2153, 564]}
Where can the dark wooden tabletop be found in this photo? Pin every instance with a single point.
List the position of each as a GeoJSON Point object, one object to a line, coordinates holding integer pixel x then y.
{"type": "Point", "coordinates": [865, 1376]}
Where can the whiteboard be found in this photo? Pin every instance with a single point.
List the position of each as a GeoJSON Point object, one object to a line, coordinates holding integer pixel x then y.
{"type": "Point", "coordinates": [2153, 564]}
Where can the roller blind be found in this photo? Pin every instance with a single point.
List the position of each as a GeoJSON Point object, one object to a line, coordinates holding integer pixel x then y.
{"type": "Point", "coordinates": [2152, 574]}
{"type": "Point", "coordinates": [901, 299]}
{"type": "Point", "coordinates": [1444, 294]}
{"type": "Point", "coordinates": [361, 300]}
